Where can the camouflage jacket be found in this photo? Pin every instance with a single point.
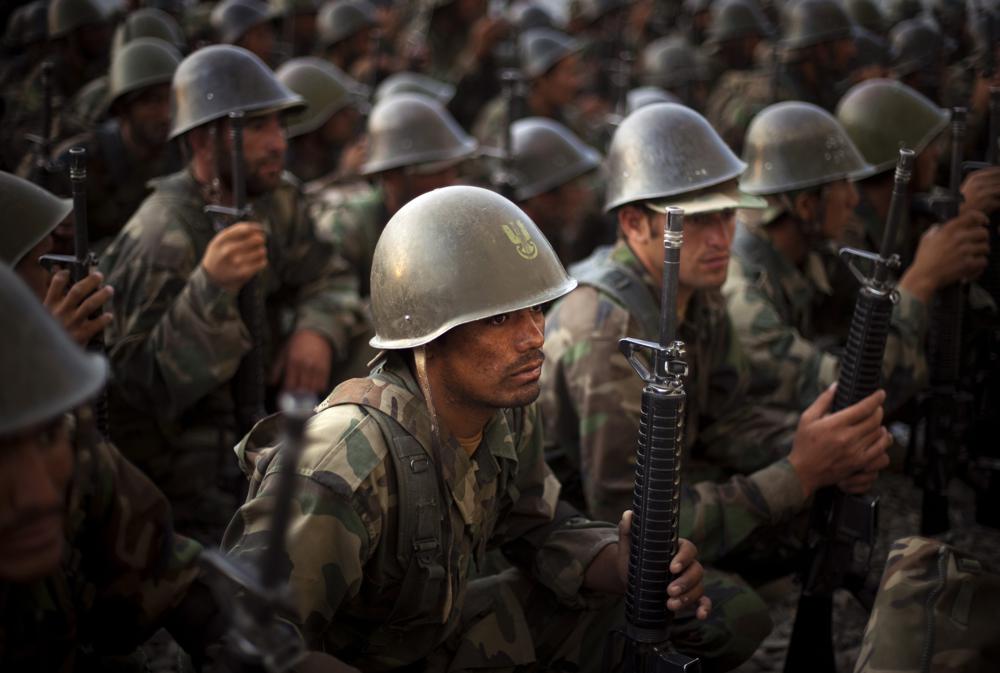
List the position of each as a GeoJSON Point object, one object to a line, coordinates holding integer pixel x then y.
{"type": "Point", "coordinates": [348, 561]}
{"type": "Point", "coordinates": [779, 310]}
{"type": "Point", "coordinates": [123, 569]}
{"type": "Point", "coordinates": [590, 401]}
{"type": "Point", "coordinates": [177, 339]}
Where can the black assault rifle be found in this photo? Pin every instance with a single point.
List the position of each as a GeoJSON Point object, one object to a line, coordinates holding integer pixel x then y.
{"type": "Point", "coordinates": [656, 498]}
{"type": "Point", "coordinates": [514, 93]}
{"type": "Point", "coordinates": [248, 390]}
{"type": "Point", "coordinates": [842, 527]}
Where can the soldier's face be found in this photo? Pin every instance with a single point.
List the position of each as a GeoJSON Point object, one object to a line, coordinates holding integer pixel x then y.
{"type": "Point", "coordinates": [264, 147]}
{"type": "Point", "coordinates": [35, 470]}
{"type": "Point", "coordinates": [925, 166]}
{"type": "Point", "coordinates": [561, 84]}
{"type": "Point", "coordinates": [36, 276]}
{"type": "Point", "coordinates": [490, 364]}
{"type": "Point", "coordinates": [148, 116]}
{"type": "Point", "coordinates": [260, 40]}
{"type": "Point", "coordinates": [841, 198]}
{"type": "Point", "coordinates": [705, 252]}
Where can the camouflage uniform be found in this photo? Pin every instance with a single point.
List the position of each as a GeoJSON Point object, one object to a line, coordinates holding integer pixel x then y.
{"type": "Point", "coordinates": [778, 312]}
{"type": "Point", "coordinates": [935, 611]}
{"type": "Point", "coordinates": [177, 339]}
{"type": "Point", "coordinates": [123, 569]}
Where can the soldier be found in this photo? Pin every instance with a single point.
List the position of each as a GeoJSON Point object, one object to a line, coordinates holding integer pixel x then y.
{"type": "Point", "coordinates": [919, 57]}
{"type": "Point", "coordinates": [346, 36]}
{"type": "Point", "coordinates": [91, 565]}
{"type": "Point", "coordinates": [737, 28]}
{"type": "Point", "coordinates": [149, 22]}
{"type": "Point", "coordinates": [673, 64]}
{"type": "Point", "coordinates": [590, 397]}
{"type": "Point", "coordinates": [179, 336]}
{"type": "Point", "coordinates": [129, 149]}
{"type": "Point", "coordinates": [414, 82]}
{"type": "Point", "coordinates": [250, 24]}
{"type": "Point", "coordinates": [23, 43]}
{"type": "Point", "coordinates": [779, 290]}
{"type": "Point", "coordinates": [323, 138]}
{"type": "Point", "coordinates": [815, 52]}
{"type": "Point", "coordinates": [968, 82]}
{"type": "Point", "coordinates": [873, 57]}
{"type": "Point", "coordinates": [867, 15]}
{"type": "Point", "coordinates": [414, 473]}
{"type": "Point", "coordinates": [298, 25]}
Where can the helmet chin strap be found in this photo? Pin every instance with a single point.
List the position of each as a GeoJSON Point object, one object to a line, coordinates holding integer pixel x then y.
{"type": "Point", "coordinates": [420, 364]}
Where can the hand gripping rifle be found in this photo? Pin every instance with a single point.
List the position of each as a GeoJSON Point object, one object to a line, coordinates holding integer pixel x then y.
{"type": "Point", "coordinates": [842, 527]}
{"type": "Point", "coordinates": [249, 381]}
{"type": "Point", "coordinates": [656, 498]}
{"type": "Point", "coordinates": [257, 640]}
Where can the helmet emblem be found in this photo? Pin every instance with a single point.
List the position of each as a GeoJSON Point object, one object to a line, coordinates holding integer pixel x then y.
{"type": "Point", "coordinates": [526, 247]}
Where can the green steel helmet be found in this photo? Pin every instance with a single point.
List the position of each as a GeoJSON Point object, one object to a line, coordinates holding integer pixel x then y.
{"type": "Point", "coordinates": [65, 16]}
{"type": "Point", "coordinates": [38, 213]}
{"type": "Point", "coordinates": [27, 24]}
{"type": "Point", "coordinates": [529, 15]}
{"type": "Point", "coordinates": [794, 145]}
{"type": "Point", "coordinates": [294, 7]}
{"type": "Point", "coordinates": [665, 150]}
{"type": "Point", "coordinates": [547, 155]}
{"type": "Point", "coordinates": [325, 88]}
{"type": "Point", "coordinates": [542, 48]}
{"type": "Point", "coordinates": [341, 19]}
{"type": "Point", "coordinates": [414, 82]}
{"type": "Point", "coordinates": [219, 79]}
{"type": "Point", "coordinates": [916, 45]}
{"type": "Point", "coordinates": [672, 63]}
{"type": "Point", "coordinates": [809, 22]}
{"type": "Point", "coordinates": [231, 19]}
{"type": "Point", "coordinates": [951, 15]}
{"type": "Point", "coordinates": [455, 255]}
{"type": "Point", "coordinates": [409, 129]}
{"type": "Point", "coordinates": [871, 49]}
{"type": "Point", "coordinates": [647, 95]}
{"type": "Point", "coordinates": [143, 62]}
{"type": "Point", "coordinates": [901, 10]}
{"type": "Point", "coordinates": [733, 19]}
{"type": "Point", "coordinates": [867, 14]}
{"type": "Point", "coordinates": [46, 374]}
{"type": "Point", "coordinates": [883, 115]}
{"type": "Point", "coordinates": [149, 22]}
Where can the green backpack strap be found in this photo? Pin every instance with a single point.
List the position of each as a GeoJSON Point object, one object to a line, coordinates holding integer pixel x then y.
{"type": "Point", "coordinates": [622, 285]}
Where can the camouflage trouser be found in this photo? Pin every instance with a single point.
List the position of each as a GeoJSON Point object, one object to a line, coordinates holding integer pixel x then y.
{"type": "Point", "coordinates": [510, 623]}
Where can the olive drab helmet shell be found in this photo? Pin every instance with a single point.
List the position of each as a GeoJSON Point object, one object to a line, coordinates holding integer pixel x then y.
{"type": "Point", "coordinates": [647, 95]}
{"type": "Point", "coordinates": [672, 63]}
{"type": "Point", "coordinates": [341, 19]}
{"type": "Point", "coordinates": [38, 213]}
{"type": "Point", "coordinates": [65, 16]}
{"type": "Point", "coordinates": [219, 79]}
{"type": "Point", "coordinates": [414, 82]}
{"type": "Point", "coordinates": [409, 129]}
{"type": "Point", "coordinates": [916, 45]}
{"type": "Point", "coordinates": [901, 10]}
{"type": "Point", "coordinates": [733, 19]}
{"type": "Point", "coordinates": [809, 22]}
{"type": "Point", "coordinates": [455, 255]}
{"type": "Point", "coordinates": [871, 49]}
{"type": "Point", "coordinates": [547, 155]}
{"type": "Point", "coordinates": [541, 48]}
{"type": "Point", "coordinates": [46, 373]}
{"type": "Point", "coordinates": [231, 19]}
{"type": "Point", "coordinates": [148, 23]}
{"type": "Point", "coordinates": [867, 14]}
{"type": "Point", "coordinates": [27, 24]}
{"type": "Point", "coordinates": [883, 115]}
{"type": "Point", "coordinates": [663, 150]}
{"type": "Point", "coordinates": [795, 145]}
{"type": "Point", "coordinates": [294, 7]}
{"type": "Point", "coordinates": [325, 88]}
{"type": "Point", "coordinates": [143, 62]}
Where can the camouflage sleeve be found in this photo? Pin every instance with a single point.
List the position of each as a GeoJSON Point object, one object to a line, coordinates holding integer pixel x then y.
{"type": "Point", "coordinates": [176, 335]}
{"type": "Point", "coordinates": [141, 568]}
{"type": "Point", "coordinates": [904, 369]}
{"type": "Point", "coordinates": [559, 542]}
{"type": "Point", "coordinates": [336, 518]}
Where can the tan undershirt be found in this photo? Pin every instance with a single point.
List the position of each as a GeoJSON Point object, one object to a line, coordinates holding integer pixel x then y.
{"type": "Point", "coordinates": [470, 444]}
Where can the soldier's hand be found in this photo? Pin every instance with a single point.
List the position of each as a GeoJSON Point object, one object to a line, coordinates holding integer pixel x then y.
{"type": "Point", "coordinates": [486, 32]}
{"type": "Point", "coordinates": [981, 190]}
{"type": "Point", "coordinates": [954, 251]}
{"type": "Point", "coordinates": [77, 309]}
{"type": "Point", "coordinates": [235, 255]}
{"type": "Point", "coordinates": [831, 448]}
{"type": "Point", "coordinates": [304, 363]}
{"type": "Point", "coordinates": [353, 156]}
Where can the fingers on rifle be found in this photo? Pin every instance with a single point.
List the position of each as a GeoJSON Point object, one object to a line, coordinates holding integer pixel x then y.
{"type": "Point", "coordinates": [687, 554]}
{"type": "Point", "coordinates": [93, 302]}
{"type": "Point", "coordinates": [820, 405]}
{"type": "Point", "coordinates": [704, 608]}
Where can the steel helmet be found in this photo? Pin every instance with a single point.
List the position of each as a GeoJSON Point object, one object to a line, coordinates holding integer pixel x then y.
{"type": "Point", "coordinates": [27, 24]}
{"type": "Point", "coordinates": [414, 82]}
{"type": "Point", "coordinates": [542, 48]}
{"type": "Point", "coordinates": [148, 22]}
{"type": "Point", "coordinates": [547, 155]}
{"type": "Point", "coordinates": [809, 22]}
{"type": "Point", "coordinates": [916, 45]}
{"type": "Point", "coordinates": [65, 16]}
{"type": "Point", "coordinates": [409, 129]}
{"type": "Point", "coordinates": [733, 19]}
{"type": "Point", "coordinates": [141, 63]}
{"type": "Point", "coordinates": [867, 14]}
{"type": "Point", "coordinates": [231, 19]}
{"type": "Point", "coordinates": [455, 255]}
{"type": "Point", "coordinates": [219, 79]}
{"type": "Point", "coordinates": [325, 88]}
{"type": "Point", "coordinates": [647, 95]}
{"type": "Point", "coordinates": [38, 213]}
{"type": "Point", "coordinates": [883, 115]}
{"type": "Point", "coordinates": [901, 10]}
{"type": "Point", "coordinates": [341, 19]}
{"type": "Point", "coordinates": [531, 15]}
{"type": "Point", "coordinates": [795, 145]}
{"type": "Point", "coordinates": [871, 49]}
{"type": "Point", "coordinates": [672, 63]}
{"type": "Point", "coordinates": [665, 150]}
{"type": "Point", "coordinates": [46, 373]}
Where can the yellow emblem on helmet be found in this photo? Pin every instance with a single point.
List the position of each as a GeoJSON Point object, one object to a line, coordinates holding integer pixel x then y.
{"type": "Point", "coordinates": [526, 247]}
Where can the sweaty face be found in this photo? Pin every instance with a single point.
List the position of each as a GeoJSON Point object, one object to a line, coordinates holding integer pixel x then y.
{"type": "Point", "coordinates": [493, 363]}
{"type": "Point", "coordinates": [148, 115]}
{"type": "Point", "coordinates": [705, 251]}
{"type": "Point", "coordinates": [264, 147]}
{"type": "Point", "coordinates": [35, 470]}
{"type": "Point", "coordinates": [562, 83]}
{"type": "Point", "coordinates": [840, 200]}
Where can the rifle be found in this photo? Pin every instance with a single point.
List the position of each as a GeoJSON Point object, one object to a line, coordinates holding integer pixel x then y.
{"type": "Point", "coordinates": [249, 380]}
{"type": "Point", "coordinates": [842, 527]}
{"type": "Point", "coordinates": [42, 164]}
{"type": "Point", "coordinates": [256, 639]}
{"type": "Point", "coordinates": [514, 94]}
{"type": "Point", "coordinates": [656, 498]}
